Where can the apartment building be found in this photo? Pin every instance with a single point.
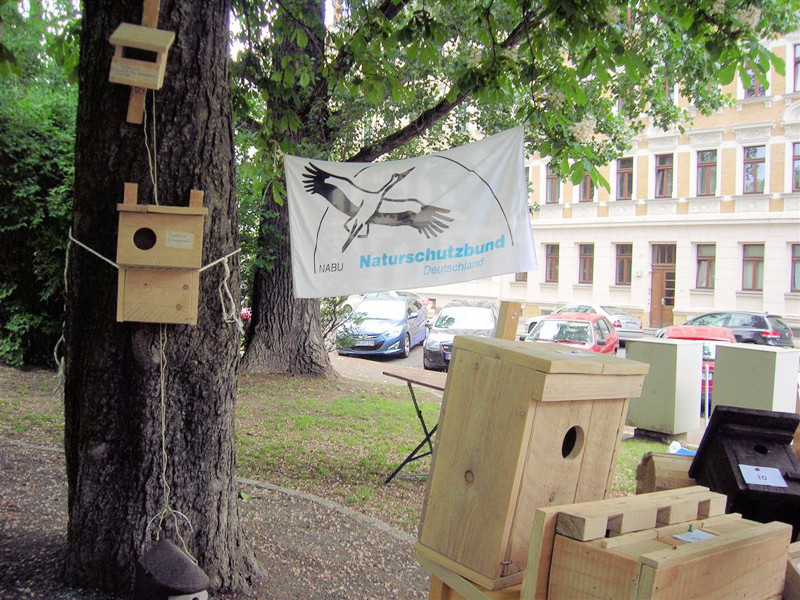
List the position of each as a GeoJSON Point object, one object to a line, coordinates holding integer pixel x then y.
{"type": "Point", "coordinates": [694, 222]}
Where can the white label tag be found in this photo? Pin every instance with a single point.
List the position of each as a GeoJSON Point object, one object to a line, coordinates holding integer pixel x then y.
{"type": "Point", "coordinates": [770, 476]}
{"type": "Point", "coordinates": [698, 535]}
{"type": "Point", "coordinates": [179, 239]}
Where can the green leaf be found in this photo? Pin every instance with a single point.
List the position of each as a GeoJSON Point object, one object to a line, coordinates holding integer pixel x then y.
{"type": "Point", "coordinates": [245, 496]}
{"type": "Point", "coordinates": [302, 40]}
{"type": "Point", "coordinates": [727, 73]}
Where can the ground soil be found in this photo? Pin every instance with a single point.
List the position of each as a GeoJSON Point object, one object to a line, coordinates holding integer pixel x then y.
{"type": "Point", "coordinates": [309, 548]}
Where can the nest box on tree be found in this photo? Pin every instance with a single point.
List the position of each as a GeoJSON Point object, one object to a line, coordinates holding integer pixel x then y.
{"type": "Point", "coordinates": [159, 253]}
{"type": "Point", "coordinates": [167, 573]}
{"type": "Point", "coordinates": [140, 55]}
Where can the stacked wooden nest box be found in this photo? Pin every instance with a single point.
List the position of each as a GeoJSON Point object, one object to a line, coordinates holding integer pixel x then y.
{"type": "Point", "coordinates": [522, 426]}
{"type": "Point", "coordinates": [159, 253]}
{"type": "Point", "coordinates": [140, 55]}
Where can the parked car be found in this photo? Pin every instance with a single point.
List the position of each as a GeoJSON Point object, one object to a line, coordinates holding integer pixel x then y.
{"type": "Point", "coordinates": [710, 336]}
{"type": "Point", "coordinates": [383, 325]}
{"type": "Point", "coordinates": [589, 331]}
{"type": "Point", "coordinates": [748, 327]}
{"type": "Point", "coordinates": [628, 326]}
{"type": "Point", "coordinates": [457, 318]}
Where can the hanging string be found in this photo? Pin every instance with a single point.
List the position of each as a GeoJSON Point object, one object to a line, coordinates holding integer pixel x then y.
{"type": "Point", "coordinates": [59, 389]}
{"type": "Point", "coordinates": [167, 510]}
{"type": "Point", "coordinates": [152, 156]}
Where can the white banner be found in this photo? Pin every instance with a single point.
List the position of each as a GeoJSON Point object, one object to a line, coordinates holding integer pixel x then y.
{"type": "Point", "coordinates": [453, 216]}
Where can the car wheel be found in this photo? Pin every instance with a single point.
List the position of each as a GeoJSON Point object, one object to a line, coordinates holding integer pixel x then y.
{"type": "Point", "coordinates": [406, 346]}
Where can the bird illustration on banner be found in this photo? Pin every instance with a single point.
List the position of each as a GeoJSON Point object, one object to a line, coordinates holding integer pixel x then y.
{"type": "Point", "coordinates": [372, 207]}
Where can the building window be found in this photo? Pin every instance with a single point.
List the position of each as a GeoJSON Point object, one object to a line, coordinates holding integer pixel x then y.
{"type": "Point", "coordinates": [753, 267]}
{"type": "Point", "coordinates": [755, 89]}
{"type": "Point", "coordinates": [706, 260]}
{"type": "Point", "coordinates": [707, 173]}
{"type": "Point", "coordinates": [797, 67]}
{"type": "Point", "coordinates": [624, 261]}
{"type": "Point", "coordinates": [796, 267]}
{"type": "Point", "coordinates": [624, 178]}
{"type": "Point", "coordinates": [796, 167]}
{"type": "Point", "coordinates": [521, 277]}
{"type": "Point", "coordinates": [551, 263]}
{"type": "Point", "coordinates": [669, 90]}
{"type": "Point", "coordinates": [755, 169]}
{"type": "Point", "coordinates": [586, 265]}
{"type": "Point", "coordinates": [587, 189]}
{"type": "Point", "coordinates": [664, 176]}
{"type": "Point", "coordinates": [552, 187]}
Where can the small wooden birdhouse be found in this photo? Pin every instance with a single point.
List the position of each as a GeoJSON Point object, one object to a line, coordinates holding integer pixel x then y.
{"type": "Point", "coordinates": [167, 573]}
{"type": "Point", "coordinates": [159, 253]}
{"type": "Point", "coordinates": [140, 56]}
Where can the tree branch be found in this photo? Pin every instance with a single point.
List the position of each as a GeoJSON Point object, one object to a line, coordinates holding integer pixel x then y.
{"type": "Point", "coordinates": [442, 108]}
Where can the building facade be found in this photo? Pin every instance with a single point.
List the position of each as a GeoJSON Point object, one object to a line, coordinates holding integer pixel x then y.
{"type": "Point", "coordinates": [693, 222]}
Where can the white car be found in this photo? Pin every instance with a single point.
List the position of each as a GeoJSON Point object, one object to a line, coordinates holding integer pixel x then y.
{"type": "Point", "coordinates": [628, 326]}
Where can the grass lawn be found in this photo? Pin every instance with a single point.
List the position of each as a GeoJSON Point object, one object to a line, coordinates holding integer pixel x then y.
{"type": "Point", "coordinates": [336, 439]}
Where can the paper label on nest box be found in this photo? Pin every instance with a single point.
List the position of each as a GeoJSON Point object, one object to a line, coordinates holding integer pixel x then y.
{"type": "Point", "coordinates": [179, 239]}
{"type": "Point", "coordinates": [698, 535]}
{"type": "Point", "coordinates": [770, 476]}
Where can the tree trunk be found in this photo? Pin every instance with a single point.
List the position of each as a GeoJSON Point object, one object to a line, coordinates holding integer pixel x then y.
{"type": "Point", "coordinates": [286, 333]}
{"type": "Point", "coordinates": [113, 432]}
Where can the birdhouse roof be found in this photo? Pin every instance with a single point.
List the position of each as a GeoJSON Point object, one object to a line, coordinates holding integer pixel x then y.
{"type": "Point", "coordinates": [174, 570]}
{"type": "Point", "coordinates": [146, 38]}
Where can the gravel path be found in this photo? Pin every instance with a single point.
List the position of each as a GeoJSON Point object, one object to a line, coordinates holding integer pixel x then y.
{"type": "Point", "coordinates": [309, 548]}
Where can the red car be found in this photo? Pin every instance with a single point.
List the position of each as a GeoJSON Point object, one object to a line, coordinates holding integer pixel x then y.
{"type": "Point", "coordinates": [589, 331]}
{"type": "Point", "coordinates": [709, 335]}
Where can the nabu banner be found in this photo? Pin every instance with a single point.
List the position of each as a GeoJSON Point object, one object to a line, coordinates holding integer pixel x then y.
{"type": "Point", "coordinates": [454, 216]}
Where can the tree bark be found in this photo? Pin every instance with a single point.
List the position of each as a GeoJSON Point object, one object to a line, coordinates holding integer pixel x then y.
{"type": "Point", "coordinates": [113, 430]}
{"type": "Point", "coordinates": [286, 332]}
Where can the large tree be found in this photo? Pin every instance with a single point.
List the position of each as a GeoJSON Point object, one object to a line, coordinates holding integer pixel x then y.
{"type": "Point", "coordinates": [118, 477]}
{"type": "Point", "coordinates": [395, 77]}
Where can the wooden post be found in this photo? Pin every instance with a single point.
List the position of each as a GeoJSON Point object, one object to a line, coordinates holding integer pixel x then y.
{"type": "Point", "coordinates": [508, 320]}
{"type": "Point", "coordinates": [138, 94]}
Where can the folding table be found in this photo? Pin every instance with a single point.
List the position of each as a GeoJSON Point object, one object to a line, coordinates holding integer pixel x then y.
{"type": "Point", "coordinates": [430, 379]}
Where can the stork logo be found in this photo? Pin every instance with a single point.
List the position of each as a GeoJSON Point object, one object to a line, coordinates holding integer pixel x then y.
{"type": "Point", "coordinates": [455, 215]}
{"type": "Point", "coordinates": [365, 207]}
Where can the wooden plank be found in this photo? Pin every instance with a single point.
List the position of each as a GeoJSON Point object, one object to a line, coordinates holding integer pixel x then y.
{"type": "Point", "coordinates": [176, 210]}
{"type": "Point", "coordinates": [548, 478]}
{"type": "Point", "coordinates": [792, 589]}
{"type": "Point", "coordinates": [196, 198]}
{"type": "Point", "coordinates": [663, 471]}
{"type": "Point", "coordinates": [591, 520]}
{"type": "Point", "coordinates": [430, 379]}
{"type": "Point", "coordinates": [146, 38]}
{"type": "Point", "coordinates": [584, 570]}
{"type": "Point", "coordinates": [477, 480]}
{"type": "Point", "coordinates": [508, 320]}
{"type": "Point", "coordinates": [159, 296]}
{"type": "Point", "coordinates": [559, 387]}
{"type": "Point", "coordinates": [136, 101]}
{"type": "Point", "coordinates": [150, 13]}
{"type": "Point", "coordinates": [603, 436]}
{"type": "Point", "coordinates": [668, 530]}
{"type": "Point", "coordinates": [428, 557]}
{"type": "Point", "coordinates": [540, 551]}
{"type": "Point", "coordinates": [754, 559]}
{"type": "Point", "coordinates": [455, 587]}
{"type": "Point", "coordinates": [130, 196]}
{"type": "Point", "coordinates": [178, 240]}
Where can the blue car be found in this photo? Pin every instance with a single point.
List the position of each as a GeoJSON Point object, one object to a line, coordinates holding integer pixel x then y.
{"type": "Point", "coordinates": [383, 326]}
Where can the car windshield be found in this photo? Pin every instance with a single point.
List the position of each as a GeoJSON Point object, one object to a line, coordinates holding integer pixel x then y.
{"type": "Point", "coordinates": [615, 310]}
{"type": "Point", "coordinates": [465, 317]}
{"type": "Point", "coordinates": [574, 332]}
{"type": "Point", "coordinates": [390, 310]}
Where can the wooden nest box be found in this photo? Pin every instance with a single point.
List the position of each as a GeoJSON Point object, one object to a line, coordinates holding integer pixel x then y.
{"type": "Point", "coordinates": [140, 55]}
{"type": "Point", "coordinates": [159, 253]}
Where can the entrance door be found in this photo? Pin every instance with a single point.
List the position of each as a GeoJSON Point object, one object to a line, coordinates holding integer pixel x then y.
{"type": "Point", "coordinates": [662, 285]}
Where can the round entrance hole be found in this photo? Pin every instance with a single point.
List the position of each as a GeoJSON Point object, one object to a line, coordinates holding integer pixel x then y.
{"type": "Point", "coordinates": [144, 238]}
{"type": "Point", "coordinates": [761, 449]}
{"type": "Point", "coordinates": [572, 444]}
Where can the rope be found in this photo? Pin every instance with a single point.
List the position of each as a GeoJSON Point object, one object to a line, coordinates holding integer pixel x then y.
{"type": "Point", "coordinates": [61, 375]}
{"type": "Point", "coordinates": [90, 251]}
{"type": "Point", "coordinates": [167, 509]}
{"type": "Point", "coordinates": [151, 157]}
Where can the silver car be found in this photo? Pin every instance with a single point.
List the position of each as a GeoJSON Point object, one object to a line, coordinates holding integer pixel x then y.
{"type": "Point", "coordinates": [628, 326]}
